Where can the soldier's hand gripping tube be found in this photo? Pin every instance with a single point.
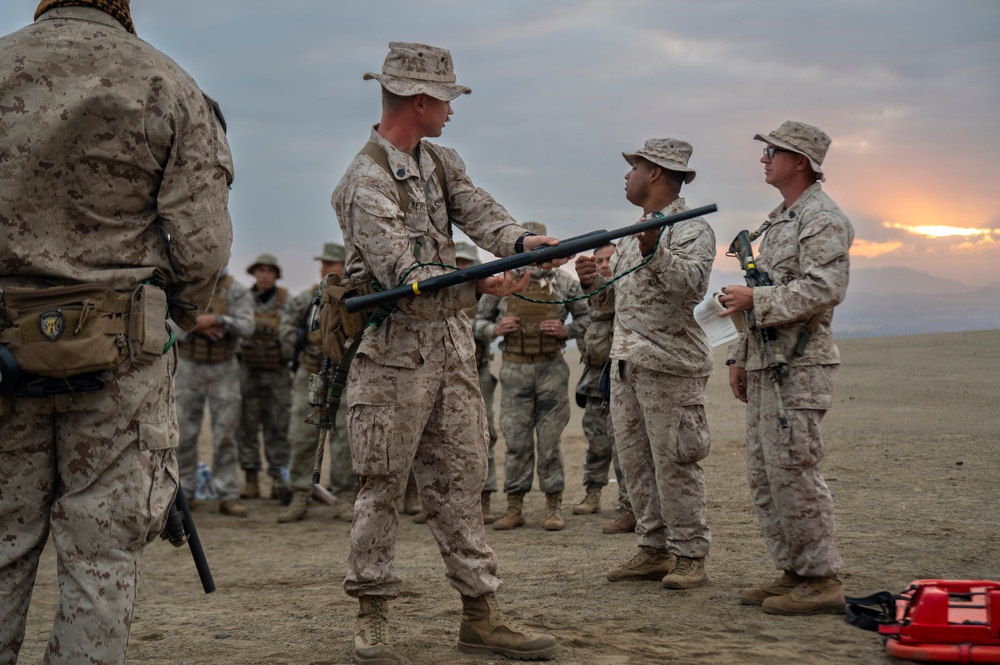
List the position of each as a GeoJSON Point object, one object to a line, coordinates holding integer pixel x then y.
{"type": "Point", "coordinates": [538, 255]}
{"type": "Point", "coordinates": [180, 529]}
{"type": "Point", "coordinates": [767, 338]}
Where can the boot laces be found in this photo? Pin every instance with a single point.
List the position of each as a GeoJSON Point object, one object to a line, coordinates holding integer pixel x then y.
{"type": "Point", "coordinates": [378, 622]}
{"type": "Point", "coordinates": [684, 566]}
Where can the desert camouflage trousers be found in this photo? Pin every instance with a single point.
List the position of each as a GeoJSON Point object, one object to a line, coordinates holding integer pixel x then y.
{"type": "Point", "coordinates": [303, 438]}
{"type": "Point", "coordinates": [601, 451]}
{"type": "Point", "coordinates": [662, 435]}
{"type": "Point", "coordinates": [434, 419]}
{"type": "Point", "coordinates": [219, 385]}
{"type": "Point", "coordinates": [267, 405]}
{"type": "Point", "coordinates": [534, 402]}
{"type": "Point", "coordinates": [794, 505]}
{"type": "Point", "coordinates": [98, 469]}
{"type": "Point", "coordinates": [488, 385]}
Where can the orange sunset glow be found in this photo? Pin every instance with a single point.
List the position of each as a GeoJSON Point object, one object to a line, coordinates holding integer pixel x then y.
{"type": "Point", "coordinates": [942, 231]}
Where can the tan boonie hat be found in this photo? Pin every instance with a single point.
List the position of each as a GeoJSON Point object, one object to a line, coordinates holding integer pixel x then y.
{"type": "Point", "coordinates": [467, 251]}
{"type": "Point", "coordinates": [418, 69]}
{"type": "Point", "coordinates": [535, 227]}
{"type": "Point", "coordinates": [811, 142]}
{"type": "Point", "coordinates": [671, 154]}
{"type": "Point", "coordinates": [265, 260]}
{"type": "Point", "coordinates": [333, 253]}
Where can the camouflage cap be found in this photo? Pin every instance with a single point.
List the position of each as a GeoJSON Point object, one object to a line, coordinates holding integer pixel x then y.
{"type": "Point", "coordinates": [265, 260]}
{"type": "Point", "coordinates": [798, 137]}
{"type": "Point", "coordinates": [671, 154]}
{"type": "Point", "coordinates": [333, 252]}
{"type": "Point", "coordinates": [415, 69]}
{"type": "Point", "coordinates": [467, 251]}
{"type": "Point", "coordinates": [535, 227]}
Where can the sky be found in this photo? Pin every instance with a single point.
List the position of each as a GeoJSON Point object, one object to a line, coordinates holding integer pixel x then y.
{"type": "Point", "coordinates": [909, 91]}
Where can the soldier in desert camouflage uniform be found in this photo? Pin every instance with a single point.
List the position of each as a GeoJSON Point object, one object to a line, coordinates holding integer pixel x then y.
{"type": "Point", "coordinates": [92, 183]}
{"type": "Point", "coordinates": [208, 371]}
{"type": "Point", "coordinates": [595, 351]}
{"type": "Point", "coordinates": [661, 361]}
{"type": "Point", "coordinates": [534, 380]}
{"type": "Point", "coordinates": [302, 437]}
{"type": "Point", "coordinates": [805, 248]}
{"type": "Point", "coordinates": [413, 394]}
{"type": "Point", "coordinates": [265, 382]}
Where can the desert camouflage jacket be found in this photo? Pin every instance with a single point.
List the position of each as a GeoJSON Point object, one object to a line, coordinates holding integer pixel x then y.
{"type": "Point", "coordinates": [654, 320]}
{"type": "Point", "coordinates": [385, 242]}
{"type": "Point", "coordinates": [113, 164]}
{"type": "Point", "coordinates": [805, 250]}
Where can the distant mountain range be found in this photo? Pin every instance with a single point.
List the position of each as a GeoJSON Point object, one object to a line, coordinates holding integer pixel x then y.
{"type": "Point", "coordinates": [903, 301]}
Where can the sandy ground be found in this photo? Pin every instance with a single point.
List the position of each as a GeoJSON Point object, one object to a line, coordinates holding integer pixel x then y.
{"type": "Point", "coordinates": [913, 454]}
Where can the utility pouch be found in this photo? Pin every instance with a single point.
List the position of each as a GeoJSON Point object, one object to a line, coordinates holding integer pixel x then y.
{"type": "Point", "coordinates": [63, 331]}
{"type": "Point", "coordinates": [338, 326]}
{"type": "Point", "coordinates": [147, 326]}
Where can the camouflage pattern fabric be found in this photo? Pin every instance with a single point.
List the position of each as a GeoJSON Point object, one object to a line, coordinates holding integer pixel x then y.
{"type": "Point", "coordinates": [534, 397]}
{"type": "Point", "coordinates": [488, 385]}
{"type": "Point", "coordinates": [413, 396]}
{"type": "Point", "coordinates": [596, 413]}
{"type": "Point", "coordinates": [219, 385]}
{"type": "Point", "coordinates": [91, 184]}
{"type": "Point", "coordinates": [534, 411]}
{"type": "Point", "coordinates": [662, 436]}
{"type": "Point", "coordinates": [265, 413]}
{"type": "Point", "coordinates": [661, 361]}
{"type": "Point", "coordinates": [794, 505]}
{"type": "Point", "coordinates": [654, 316]}
{"type": "Point", "coordinates": [805, 248]}
{"type": "Point", "coordinates": [811, 238]}
{"type": "Point", "coordinates": [118, 9]}
{"type": "Point", "coordinates": [302, 437]}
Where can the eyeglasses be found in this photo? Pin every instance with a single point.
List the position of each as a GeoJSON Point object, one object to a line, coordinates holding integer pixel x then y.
{"type": "Point", "coordinates": [770, 151]}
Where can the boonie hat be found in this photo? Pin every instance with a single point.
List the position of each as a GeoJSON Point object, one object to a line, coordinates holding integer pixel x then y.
{"type": "Point", "coordinates": [535, 227]}
{"type": "Point", "coordinates": [265, 260]}
{"type": "Point", "coordinates": [467, 251]}
{"type": "Point", "coordinates": [333, 252]}
{"type": "Point", "coordinates": [811, 142]}
{"type": "Point", "coordinates": [671, 154]}
{"type": "Point", "coordinates": [418, 69]}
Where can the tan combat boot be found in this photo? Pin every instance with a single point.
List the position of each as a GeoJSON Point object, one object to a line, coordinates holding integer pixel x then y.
{"type": "Point", "coordinates": [687, 574]}
{"type": "Point", "coordinates": [233, 508]}
{"type": "Point", "coordinates": [624, 523]}
{"type": "Point", "coordinates": [591, 504]}
{"type": "Point", "coordinates": [346, 510]}
{"type": "Point", "coordinates": [297, 509]}
{"type": "Point", "coordinates": [816, 595]}
{"type": "Point", "coordinates": [485, 630]}
{"type": "Point", "coordinates": [514, 517]}
{"type": "Point", "coordinates": [649, 564]}
{"type": "Point", "coordinates": [488, 516]}
{"type": "Point", "coordinates": [251, 489]}
{"type": "Point", "coordinates": [371, 633]}
{"type": "Point", "coordinates": [779, 587]}
{"type": "Point", "coordinates": [553, 512]}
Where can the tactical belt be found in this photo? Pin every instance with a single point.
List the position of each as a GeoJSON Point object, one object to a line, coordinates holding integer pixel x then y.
{"type": "Point", "coordinates": [532, 358]}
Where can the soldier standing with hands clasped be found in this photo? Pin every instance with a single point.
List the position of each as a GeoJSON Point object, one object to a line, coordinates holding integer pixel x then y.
{"type": "Point", "coordinates": [114, 188]}
{"type": "Point", "coordinates": [414, 397]}
{"type": "Point", "coordinates": [805, 249]}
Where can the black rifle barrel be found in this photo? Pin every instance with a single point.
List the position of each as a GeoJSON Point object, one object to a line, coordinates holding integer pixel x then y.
{"type": "Point", "coordinates": [538, 255]}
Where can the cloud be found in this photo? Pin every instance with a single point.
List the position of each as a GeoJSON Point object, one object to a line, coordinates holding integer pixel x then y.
{"type": "Point", "coordinates": [870, 250]}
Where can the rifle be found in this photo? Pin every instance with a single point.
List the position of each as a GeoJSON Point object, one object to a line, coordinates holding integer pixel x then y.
{"type": "Point", "coordinates": [767, 338]}
{"type": "Point", "coordinates": [180, 529]}
{"type": "Point", "coordinates": [542, 254]}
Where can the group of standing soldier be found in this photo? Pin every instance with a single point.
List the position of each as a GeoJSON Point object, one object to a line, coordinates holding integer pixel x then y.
{"type": "Point", "coordinates": [103, 246]}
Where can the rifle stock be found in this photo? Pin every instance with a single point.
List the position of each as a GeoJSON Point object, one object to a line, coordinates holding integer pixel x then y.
{"type": "Point", "coordinates": [538, 255]}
